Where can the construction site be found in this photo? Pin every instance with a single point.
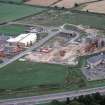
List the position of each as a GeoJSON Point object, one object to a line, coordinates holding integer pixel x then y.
{"type": "Point", "coordinates": [12, 46]}
{"type": "Point", "coordinates": [59, 45]}
{"type": "Point", "coordinates": [58, 50]}
{"type": "Point", "coordinates": [50, 46]}
{"type": "Point", "coordinates": [66, 47]}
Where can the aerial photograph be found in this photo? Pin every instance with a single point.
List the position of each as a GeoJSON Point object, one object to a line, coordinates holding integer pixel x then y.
{"type": "Point", "coordinates": [52, 52]}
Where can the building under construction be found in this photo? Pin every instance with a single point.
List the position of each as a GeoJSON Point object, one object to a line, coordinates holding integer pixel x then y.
{"type": "Point", "coordinates": [92, 44]}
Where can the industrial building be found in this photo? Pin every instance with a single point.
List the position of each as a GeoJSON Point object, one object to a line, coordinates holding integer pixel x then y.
{"type": "Point", "coordinates": [24, 40]}
{"type": "Point", "coordinates": [96, 60]}
{"type": "Point", "coordinates": [90, 44]}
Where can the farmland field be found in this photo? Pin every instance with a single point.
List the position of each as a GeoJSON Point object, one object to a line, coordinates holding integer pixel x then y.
{"type": "Point", "coordinates": [95, 7]}
{"type": "Point", "coordinates": [15, 1]}
{"type": "Point", "coordinates": [24, 74]}
{"type": "Point", "coordinates": [41, 2]}
{"type": "Point", "coordinates": [11, 12]}
{"type": "Point", "coordinates": [60, 17]}
{"type": "Point", "coordinates": [59, 3]}
{"type": "Point", "coordinates": [12, 29]}
{"type": "Point", "coordinates": [21, 74]}
{"type": "Point", "coordinates": [23, 78]}
{"type": "Point", "coordinates": [70, 3]}
{"type": "Point", "coordinates": [32, 78]}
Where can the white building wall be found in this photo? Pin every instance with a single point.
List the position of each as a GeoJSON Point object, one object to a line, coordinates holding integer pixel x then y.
{"type": "Point", "coordinates": [31, 38]}
{"type": "Point", "coordinates": [23, 39]}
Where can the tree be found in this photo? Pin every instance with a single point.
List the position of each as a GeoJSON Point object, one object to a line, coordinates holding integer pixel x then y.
{"type": "Point", "coordinates": [97, 97]}
{"type": "Point", "coordinates": [63, 8]}
{"type": "Point", "coordinates": [67, 100]}
{"type": "Point", "coordinates": [56, 102]}
{"type": "Point", "coordinates": [75, 103]}
{"type": "Point", "coordinates": [81, 98]}
{"type": "Point", "coordinates": [56, 7]}
{"type": "Point", "coordinates": [76, 4]}
{"type": "Point", "coordinates": [87, 10]}
{"type": "Point", "coordinates": [88, 100]}
{"type": "Point", "coordinates": [102, 102]}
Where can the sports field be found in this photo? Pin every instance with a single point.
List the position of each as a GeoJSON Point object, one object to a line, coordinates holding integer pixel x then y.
{"type": "Point", "coordinates": [12, 29]}
{"type": "Point", "coordinates": [9, 12]}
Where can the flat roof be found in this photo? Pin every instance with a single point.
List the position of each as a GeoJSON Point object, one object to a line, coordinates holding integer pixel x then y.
{"type": "Point", "coordinates": [96, 58]}
{"type": "Point", "coordinates": [30, 37]}
{"type": "Point", "coordinates": [18, 38]}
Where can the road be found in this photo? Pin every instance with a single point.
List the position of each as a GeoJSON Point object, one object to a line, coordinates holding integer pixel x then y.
{"type": "Point", "coordinates": [35, 46]}
{"type": "Point", "coordinates": [31, 25]}
{"type": "Point", "coordinates": [73, 40]}
{"type": "Point", "coordinates": [48, 98]}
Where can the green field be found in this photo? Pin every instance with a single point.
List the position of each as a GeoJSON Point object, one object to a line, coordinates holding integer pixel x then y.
{"type": "Point", "coordinates": [26, 78]}
{"type": "Point", "coordinates": [12, 29]}
{"type": "Point", "coordinates": [15, 1]}
{"type": "Point", "coordinates": [59, 17]}
{"type": "Point", "coordinates": [9, 12]}
{"type": "Point", "coordinates": [23, 74]}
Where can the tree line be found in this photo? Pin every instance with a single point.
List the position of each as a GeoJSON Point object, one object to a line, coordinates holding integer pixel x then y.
{"type": "Point", "coordinates": [93, 99]}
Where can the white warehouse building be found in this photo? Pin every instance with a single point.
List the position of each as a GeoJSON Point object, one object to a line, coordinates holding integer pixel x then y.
{"type": "Point", "coordinates": [29, 39]}
{"type": "Point", "coordinates": [24, 39]}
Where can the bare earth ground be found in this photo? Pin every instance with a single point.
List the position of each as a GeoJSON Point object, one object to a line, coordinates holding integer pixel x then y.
{"type": "Point", "coordinates": [41, 2]}
{"type": "Point", "coordinates": [96, 7]}
{"type": "Point", "coordinates": [70, 3]}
